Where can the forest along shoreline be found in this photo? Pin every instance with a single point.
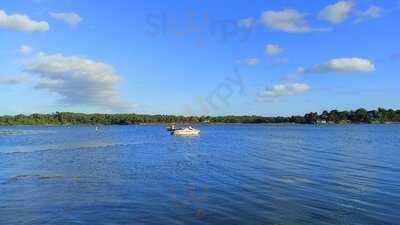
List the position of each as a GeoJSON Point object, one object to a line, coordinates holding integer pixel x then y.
{"type": "Point", "coordinates": [378, 116]}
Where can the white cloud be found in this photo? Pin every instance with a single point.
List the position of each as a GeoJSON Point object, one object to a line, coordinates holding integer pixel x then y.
{"type": "Point", "coordinates": [288, 20]}
{"type": "Point", "coordinates": [26, 50]}
{"type": "Point", "coordinates": [336, 13]}
{"type": "Point", "coordinates": [372, 12]}
{"type": "Point", "coordinates": [280, 90]}
{"type": "Point", "coordinates": [247, 23]}
{"type": "Point", "coordinates": [343, 65]}
{"type": "Point", "coordinates": [21, 23]}
{"type": "Point", "coordinates": [11, 80]}
{"type": "Point", "coordinates": [71, 19]}
{"type": "Point", "coordinates": [273, 50]}
{"type": "Point", "coordinates": [339, 66]}
{"type": "Point", "coordinates": [78, 81]}
{"type": "Point", "coordinates": [249, 61]}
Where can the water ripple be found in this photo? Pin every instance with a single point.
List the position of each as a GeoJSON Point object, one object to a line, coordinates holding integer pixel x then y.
{"type": "Point", "coordinates": [231, 174]}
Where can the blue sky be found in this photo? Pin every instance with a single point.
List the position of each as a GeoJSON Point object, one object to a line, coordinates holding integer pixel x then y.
{"type": "Point", "coordinates": [198, 57]}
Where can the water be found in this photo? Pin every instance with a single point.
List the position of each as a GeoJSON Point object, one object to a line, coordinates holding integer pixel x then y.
{"type": "Point", "coordinates": [231, 174]}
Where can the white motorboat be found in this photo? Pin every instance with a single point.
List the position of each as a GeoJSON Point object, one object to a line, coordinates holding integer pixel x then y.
{"type": "Point", "coordinates": [187, 131]}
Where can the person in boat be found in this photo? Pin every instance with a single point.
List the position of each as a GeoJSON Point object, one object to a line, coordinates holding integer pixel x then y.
{"type": "Point", "coordinates": [171, 127]}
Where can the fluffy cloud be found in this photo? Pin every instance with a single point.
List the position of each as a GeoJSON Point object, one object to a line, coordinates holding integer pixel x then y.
{"type": "Point", "coordinates": [25, 50]}
{"type": "Point", "coordinates": [249, 61]}
{"type": "Point", "coordinates": [247, 23]}
{"type": "Point", "coordinates": [340, 66]}
{"type": "Point", "coordinates": [11, 80]}
{"type": "Point", "coordinates": [78, 81]}
{"type": "Point", "coordinates": [281, 90]}
{"type": "Point", "coordinates": [372, 12]}
{"type": "Point", "coordinates": [273, 50]}
{"type": "Point", "coordinates": [21, 23]}
{"type": "Point", "coordinates": [343, 65]}
{"type": "Point", "coordinates": [337, 12]}
{"type": "Point", "coordinates": [71, 19]}
{"type": "Point", "coordinates": [288, 20]}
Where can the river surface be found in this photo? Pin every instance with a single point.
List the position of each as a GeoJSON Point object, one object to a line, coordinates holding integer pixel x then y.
{"type": "Point", "coordinates": [230, 174]}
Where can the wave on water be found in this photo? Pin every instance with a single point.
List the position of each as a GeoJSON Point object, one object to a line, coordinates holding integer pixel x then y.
{"type": "Point", "coordinates": [22, 132]}
{"type": "Point", "coordinates": [48, 148]}
{"type": "Point", "coordinates": [36, 177]}
{"type": "Point", "coordinates": [10, 133]}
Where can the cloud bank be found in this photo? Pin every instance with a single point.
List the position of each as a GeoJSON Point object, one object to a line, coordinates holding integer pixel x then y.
{"type": "Point", "coordinates": [78, 81]}
{"type": "Point", "coordinates": [21, 23]}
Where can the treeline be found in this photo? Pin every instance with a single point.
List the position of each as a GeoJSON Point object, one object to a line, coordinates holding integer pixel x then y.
{"type": "Point", "coordinates": [66, 118]}
{"type": "Point", "coordinates": [358, 116]}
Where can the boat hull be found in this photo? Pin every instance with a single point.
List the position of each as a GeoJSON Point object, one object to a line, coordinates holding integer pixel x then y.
{"type": "Point", "coordinates": [186, 132]}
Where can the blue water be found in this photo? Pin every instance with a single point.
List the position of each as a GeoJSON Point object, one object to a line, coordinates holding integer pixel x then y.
{"type": "Point", "coordinates": [231, 174]}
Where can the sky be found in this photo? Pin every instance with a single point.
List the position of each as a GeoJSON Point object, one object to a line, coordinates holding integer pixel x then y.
{"type": "Point", "coordinates": [198, 57]}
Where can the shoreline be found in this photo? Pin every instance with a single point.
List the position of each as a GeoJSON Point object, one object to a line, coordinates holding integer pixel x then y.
{"type": "Point", "coordinates": [195, 124]}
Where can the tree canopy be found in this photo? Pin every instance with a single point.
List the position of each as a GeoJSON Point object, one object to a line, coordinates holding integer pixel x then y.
{"type": "Point", "coordinates": [68, 118]}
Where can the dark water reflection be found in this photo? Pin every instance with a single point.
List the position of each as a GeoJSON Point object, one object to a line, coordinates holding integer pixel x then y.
{"type": "Point", "coordinates": [231, 174]}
